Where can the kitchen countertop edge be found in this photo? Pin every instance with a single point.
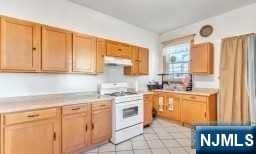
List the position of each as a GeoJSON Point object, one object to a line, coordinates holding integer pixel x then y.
{"type": "Point", "coordinates": [26, 103]}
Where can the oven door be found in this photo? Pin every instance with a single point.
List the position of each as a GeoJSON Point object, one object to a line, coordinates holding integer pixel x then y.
{"type": "Point", "coordinates": [129, 114]}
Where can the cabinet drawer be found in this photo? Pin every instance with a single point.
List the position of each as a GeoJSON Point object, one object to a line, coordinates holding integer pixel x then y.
{"type": "Point", "coordinates": [27, 116]}
{"type": "Point", "coordinates": [195, 98]}
{"type": "Point", "coordinates": [71, 109]}
{"type": "Point", "coordinates": [101, 106]}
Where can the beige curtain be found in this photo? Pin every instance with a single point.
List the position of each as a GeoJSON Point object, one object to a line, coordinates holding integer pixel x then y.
{"type": "Point", "coordinates": [234, 100]}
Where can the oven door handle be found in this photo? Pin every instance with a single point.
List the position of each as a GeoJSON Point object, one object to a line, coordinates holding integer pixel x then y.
{"type": "Point", "coordinates": [130, 104]}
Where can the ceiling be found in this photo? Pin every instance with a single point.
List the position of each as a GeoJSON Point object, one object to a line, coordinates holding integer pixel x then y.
{"type": "Point", "coordinates": [160, 16]}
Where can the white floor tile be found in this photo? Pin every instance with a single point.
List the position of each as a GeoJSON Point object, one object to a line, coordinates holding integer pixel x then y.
{"type": "Point", "coordinates": [155, 144]}
{"type": "Point", "coordinates": [124, 152]}
{"type": "Point", "coordinates": [138, 138]}
{"type": "Point", "coordinates": [107, 148]}
{"type": "Point", "coordinates": [140, 144]}
{"type": "Point", "coordinates": [125, 146]}
{"type": "Point", "coordinates": [177, 151]}
{"type": "Point", "coordinates": [149, 137]}
{"type": "Point", "coordinates": [107, 152]}
{"type": "Point", "coordinates": [142, 151]}
{"type": "Point", "coordinates": [160, 151]}
{"type": "Point", "coordinates": [171, 143]}
{"type": "Point", "coordinates": [184, 142]}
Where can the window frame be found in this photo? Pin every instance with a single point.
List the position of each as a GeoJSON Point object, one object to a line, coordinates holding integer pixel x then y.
{"type": "Point", "coordinates": [165, 63]}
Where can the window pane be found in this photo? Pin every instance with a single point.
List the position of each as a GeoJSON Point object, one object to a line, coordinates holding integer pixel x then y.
{"type": "Point", "coordinates": [177, 60]}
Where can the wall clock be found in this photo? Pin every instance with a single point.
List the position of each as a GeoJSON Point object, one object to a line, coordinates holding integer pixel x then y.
{"type": "Point", "coordinates": [206, 30]}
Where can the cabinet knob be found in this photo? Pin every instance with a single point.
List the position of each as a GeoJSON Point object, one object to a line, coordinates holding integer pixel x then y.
{"type": "Point", "coordinates": [34, 48]}
{"type": "Point", "coordinates": [92, 126]}
{"type": "Point", "coordinates": [76, 109]}
{"type": "Point", "coordinates": [33, 115]}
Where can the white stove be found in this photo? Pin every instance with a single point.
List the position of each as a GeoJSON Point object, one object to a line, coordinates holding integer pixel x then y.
{"type": "Point", "coordinates": [127, 119]}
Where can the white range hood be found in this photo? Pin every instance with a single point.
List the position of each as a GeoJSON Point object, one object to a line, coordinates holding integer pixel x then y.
{"type": "Point", "coordinates": [117, 61]}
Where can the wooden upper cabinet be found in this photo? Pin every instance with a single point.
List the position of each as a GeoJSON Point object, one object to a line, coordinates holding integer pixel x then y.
{"type": "Point", "coordinates": [20, 45]}
{"type": "Point", "coordinates": [140, 62]}
{"type": "Point", "coordinates": [134, 69]}
{"type": "Point", "coordinates": [201, 58]}
{"type": "Point", "coordinates": [116, 49]}
{"type": "Point", "coordinates": [56, 50]}
{"type": "Point", "coordinates": [84, 53]}
{"type": "Point", "coordinates": [143, 61]}
{"type": "Point", "coordinates": [101, 53]}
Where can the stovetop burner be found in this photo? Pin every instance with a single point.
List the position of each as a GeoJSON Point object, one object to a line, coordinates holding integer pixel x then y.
{"type": "Point", "coordinates": [122, 93]}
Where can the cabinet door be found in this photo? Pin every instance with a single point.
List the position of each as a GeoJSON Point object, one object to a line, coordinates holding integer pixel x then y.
{"type": "Point", "coordinates": [143, 61]}
{"type": "Point", "coordinates": [20, 45]}
{"type": "Point", "coordinates": [32, 138]}
{"type": "Point", "coordinates": [101, 52]}
{"type": "Point", "coordinates": [173, 107]}
{"type": "Point", "coordinates": [134, 69]}
{"type": "Point", "coordinates": [126, 51]}
{"type": "Point", "coordinates": [160, 105]}
{"type": "Point", "coordinates": [75, 132]}
{"type": "Point", "coordinates": [84, 53]}
{"type": "Point", "coordinates": [201, 58]}
{"type": "Point", "coordinates": [101, 125]}
{"type": "Point", "coordinates": [116, 49]}
{"type": "Point", "coordinates": [56, 50]}
{"type": "Point", "coordinates": [148, 108]}
{"type": "Point", "coordinates": [193, 112]}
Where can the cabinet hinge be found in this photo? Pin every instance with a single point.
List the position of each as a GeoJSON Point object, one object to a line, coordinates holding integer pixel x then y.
{"type": "Point", "coordinates": [54, 136]}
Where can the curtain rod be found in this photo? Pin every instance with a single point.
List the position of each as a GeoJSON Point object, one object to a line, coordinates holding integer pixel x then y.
{"type": "Point", "coordinates": [178, 38]}
{"type": "Point", "coordinates": [248, 34]}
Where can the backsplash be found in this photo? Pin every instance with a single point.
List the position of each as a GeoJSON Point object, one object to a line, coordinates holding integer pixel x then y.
{"type": "Point", "coordinates": [23, 84]}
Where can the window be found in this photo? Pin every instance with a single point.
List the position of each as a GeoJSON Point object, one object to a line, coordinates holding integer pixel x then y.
{"type": "Point", "coordinates": [177, 61]}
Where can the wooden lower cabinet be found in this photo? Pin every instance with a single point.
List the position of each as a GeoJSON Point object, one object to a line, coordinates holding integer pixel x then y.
{"type": "Point", "coordinates": [186, 109]}
{"type": "Point", "coordinates": [31, 137]}
{"type": "Point", "coordinates": [167, 105]}
{"type": "Point", "coordinates": [64, 130]}
{"type": "Point", "coordinates": [148, 109]}
{"type": "Point", "coordinates": [198, 109]}
{"type": "Point", "coordinates": [193, 112]}
{"type": "Point", "coordinates": [173, 106]}
{"type": "Point", "coordinates": [76, 122]}
{"type": "Point", "coordinates": [101, 122]}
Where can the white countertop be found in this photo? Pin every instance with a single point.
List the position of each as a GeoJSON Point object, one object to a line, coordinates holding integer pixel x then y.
{"type": "Point", "coordinates": [15, 104]}
{"type": "Point", "coordinates": [201, 92]}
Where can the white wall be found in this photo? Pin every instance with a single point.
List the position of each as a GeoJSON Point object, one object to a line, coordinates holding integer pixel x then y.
{"type": "Point", "coordinates": [65, 14]}
{"type": "Point", "coordinates": [236, 22]}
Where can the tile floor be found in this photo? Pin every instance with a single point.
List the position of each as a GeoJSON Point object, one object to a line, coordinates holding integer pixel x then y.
{"type": "Point", "coordinates": [162, 137]}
